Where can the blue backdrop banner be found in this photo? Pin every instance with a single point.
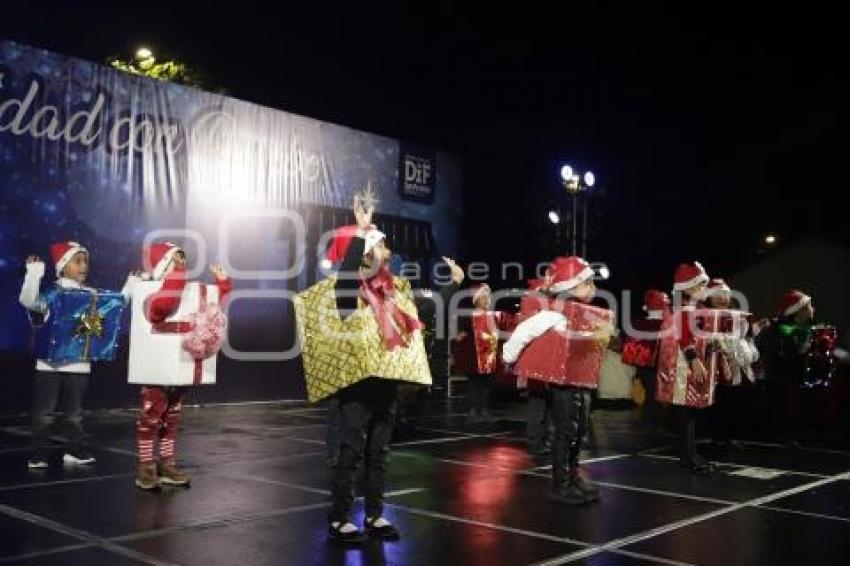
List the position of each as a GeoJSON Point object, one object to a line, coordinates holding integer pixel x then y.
{"type": "Point", "coordinates": [92, 154]}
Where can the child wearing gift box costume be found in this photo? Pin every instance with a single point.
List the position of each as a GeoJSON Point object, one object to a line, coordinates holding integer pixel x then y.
{"type": "Point", "coordinates": [641, 350]}
{"type": "Point", "coordinates": [687, 361]}
{"type": "Point", "coordinates": [561, 341]}
{"type": "Point", "coordinates": [360, 336]}
{"type": "Point", "coordinates": [74, 325]}
{"type": "Point", "coordinates": [485, 326]}
{"type": "Point", "coordinates": [736, 353]}
{"type": "Point", "coordinates": [177, 328]}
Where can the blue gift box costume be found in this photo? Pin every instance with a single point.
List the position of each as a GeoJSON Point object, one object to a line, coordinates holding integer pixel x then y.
{"type": "Point", "coordinates": [61, 339]}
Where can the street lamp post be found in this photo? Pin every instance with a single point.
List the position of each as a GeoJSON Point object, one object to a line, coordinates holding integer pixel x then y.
{"type": "Point", "coordinates": [575, 184]}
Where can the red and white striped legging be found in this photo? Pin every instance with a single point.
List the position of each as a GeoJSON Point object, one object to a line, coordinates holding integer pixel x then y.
{"type": "Point", "coordinates": [159, 418]}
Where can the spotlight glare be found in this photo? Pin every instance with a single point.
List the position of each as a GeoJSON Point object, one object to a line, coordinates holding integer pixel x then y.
{"type": "Point", "coordinates": [589, 179]}
{"type": "Point", "coordinates": [566, 173]}
{"type": "Point", "coordinates": [554, 218]}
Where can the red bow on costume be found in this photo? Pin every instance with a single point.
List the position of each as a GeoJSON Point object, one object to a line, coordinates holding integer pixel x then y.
{"type": "Point", "coordinates": [394, 324]}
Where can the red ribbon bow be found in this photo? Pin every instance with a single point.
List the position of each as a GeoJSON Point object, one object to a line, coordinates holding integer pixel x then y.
{"type": "Point", "coordinates": [394, 324]}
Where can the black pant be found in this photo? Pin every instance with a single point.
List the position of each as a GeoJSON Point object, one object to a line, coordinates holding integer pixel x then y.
{"type": "Point", "coordinates": [687, 433]}
{"type": "Point", "coordinates": [478, 394]}
{"type": "Point", "coordinates": [46, 391]}
{"type": "Point", "coordinates": [538, 419]}
{"type": "Point", "coordinates": [730, 413]}
{"type": "Point", "coordinates": [648, 378]}
{"type": "Point", "coordinates": [367, 411]}
{"type": "Point", "coordinates": [722, 413]}
{"type": "Point", "coordinates": [781, 402]}
{"type": "Point", "coordinates": [571, 417]}
{"type": "Point", "coordinates": [332, 439]}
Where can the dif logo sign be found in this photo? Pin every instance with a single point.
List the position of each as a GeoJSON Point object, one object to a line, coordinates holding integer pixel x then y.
{"type": "Point", "coordinates": [418, 174]}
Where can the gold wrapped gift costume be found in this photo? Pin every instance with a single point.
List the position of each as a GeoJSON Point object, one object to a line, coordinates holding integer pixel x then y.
{"type": "Point", "coordinates": [338, 352]}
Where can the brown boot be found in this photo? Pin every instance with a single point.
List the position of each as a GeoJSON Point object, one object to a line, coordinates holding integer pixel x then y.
{"type": "Point", "coordinates": [169, 474]}
{"type": "Point", "coordinates": [146, 478]}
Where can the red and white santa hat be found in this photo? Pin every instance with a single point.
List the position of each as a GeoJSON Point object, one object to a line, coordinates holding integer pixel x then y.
{"type": "Point", "coordinates": [792, 301]}
{"type": "Point", "coordinates": [62, 252]}
{"type": "Point", "coordinates": [478, 289]}
{"type": "Point", "coordinates": [342, 239]}
{"type": "Point", "coordinates": [566, 273]}
{"type": "Point", "coordinates": [688, 275]}
{"type": "Point", "coordinates": [718, 286]}
{"type": "Point", "coordinates": [655, 300]}
{"type": "Point", "coordinates": [157, 257]}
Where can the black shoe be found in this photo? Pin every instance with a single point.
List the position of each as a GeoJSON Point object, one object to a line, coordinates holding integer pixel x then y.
{"type": "Point", "coordinates": [702, 462]}
{"type": "Point", "coordinates": [570, 494]}
{"type": "Point", "coordinates": [336, 534]}
{"type": "Point", "coordinates": [384, 532]}
{"type": "Point", "coordinates": [696, 466]}
{"type": "Point", "coordinates": [588, 488]}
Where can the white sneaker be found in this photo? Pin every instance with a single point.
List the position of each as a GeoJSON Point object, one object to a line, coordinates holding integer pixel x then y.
{"type": "Point", "coordinates": [37, 464]}
{"type": "Point", "coordinates": [80, 458]}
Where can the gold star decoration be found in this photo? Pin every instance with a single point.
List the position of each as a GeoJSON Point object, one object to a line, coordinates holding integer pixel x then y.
{"type": "Point", "coordinates": [367, 197]}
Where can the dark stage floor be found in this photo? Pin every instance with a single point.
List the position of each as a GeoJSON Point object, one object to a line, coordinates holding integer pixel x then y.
{"type": "Point", "coordinates": [459, 497]}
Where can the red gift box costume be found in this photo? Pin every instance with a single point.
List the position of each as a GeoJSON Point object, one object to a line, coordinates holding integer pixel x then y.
{"type": "Point", "coordinates": [641, 349]}
{"type": "Point", "coordinates": [681, 336]}
{"type": "Point", "coordinates": [560, 342]}
{"type": "Point", "coordinates": [486, 326]}
{"type": "Point", "coordinates": [681, 343]}
{"type": "Point", "coordinates": [563, 346]}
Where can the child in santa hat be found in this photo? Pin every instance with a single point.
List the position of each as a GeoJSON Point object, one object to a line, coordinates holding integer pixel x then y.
{"type": "Point", "coordinates": [738, 353]}
{"type": "Point", "coordinates": [683, 379]}
{"type": "Point", "coordinates": [788, 337]}
{"type": "Point", "coordinates": [641, 350]}
{"type": "Point", "coordinates": [571, 277]}
{"type": "Point", "coordinates": [484, 328]}
{"type": "Point", "coordinates": [784, 345]}
{"type": "Point", "coordinates": [367, 406]}
{"type": "Point", "coordinates": [161, 406]}
{"type": "Point", "coordinates": [71, 264]}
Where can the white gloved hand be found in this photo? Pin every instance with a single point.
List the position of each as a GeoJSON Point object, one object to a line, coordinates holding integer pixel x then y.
{"type": "Point", "coordinates": [35, 268]}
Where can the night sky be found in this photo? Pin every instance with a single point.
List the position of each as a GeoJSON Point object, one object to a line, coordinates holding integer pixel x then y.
{"type": "Point", "coordinates": [706, 130]}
